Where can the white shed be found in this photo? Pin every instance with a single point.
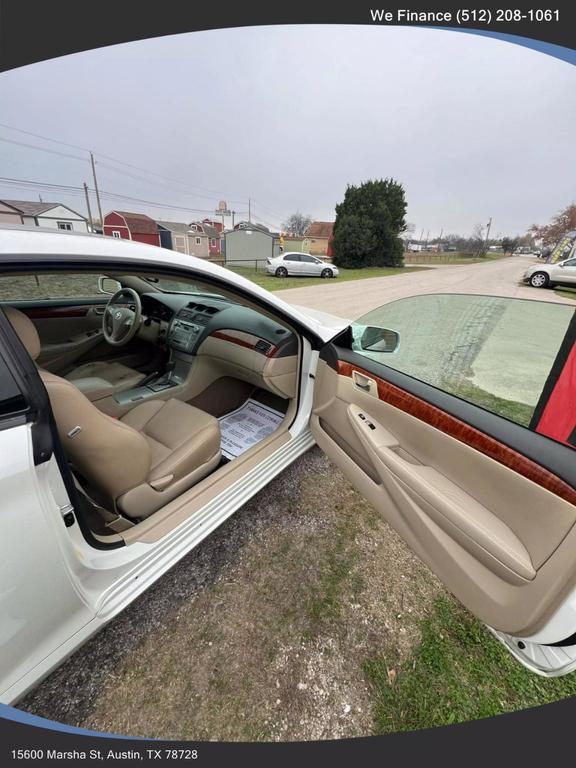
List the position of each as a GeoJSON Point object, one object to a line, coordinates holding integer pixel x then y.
{"type": "Point", "coordinates": [52, 215]}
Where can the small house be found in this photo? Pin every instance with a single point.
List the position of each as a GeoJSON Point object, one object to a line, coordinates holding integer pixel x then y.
{"type": "Point", "coordinates": [318, 237]}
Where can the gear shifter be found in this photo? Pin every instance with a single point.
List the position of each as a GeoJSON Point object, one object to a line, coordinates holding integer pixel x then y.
{"type": "Point", "coordinates": [169, 371]}
{"type": "Point", "coordinates": [165, 380]}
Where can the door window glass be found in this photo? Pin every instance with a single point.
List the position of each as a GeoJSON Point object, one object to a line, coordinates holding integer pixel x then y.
{"type": "Point", "coordinates": [292, 257]}
{"type": "Point", "coordinates": [30, 287]}
{"type": "Point", "coordinates": [494, 352]}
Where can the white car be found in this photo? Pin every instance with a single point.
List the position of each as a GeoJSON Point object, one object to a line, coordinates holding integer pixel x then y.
{"type": "Point", "coordinates": [146, 395]}
{"type": "Point", "coordinates": [300, 264]}
{"type": "Point", "coordinates": [550, 275]}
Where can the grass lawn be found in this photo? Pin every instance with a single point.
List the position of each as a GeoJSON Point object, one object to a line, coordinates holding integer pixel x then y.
{"type": "Point", "coordinates": [568, 293]}
{"type": "Point", "coordinates": [458, 672]}
{"type": "Point", "coordinates": [450, 258]}
{"type": "Point", "coordinates": [272, 283]}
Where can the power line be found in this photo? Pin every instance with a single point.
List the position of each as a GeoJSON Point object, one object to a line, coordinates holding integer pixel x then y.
{"type": "Point", "coordinates": [37, 183]}
{"type": "Point", "coordinates": [268, 224]}
{"type": "Point", "coordinates": [150, 181]}
{"type": "Point", "coordinates": [43, 149]}
{"type": "Point", "coordinates": [68, 189]}
{"type": "Point", "coordinates": [45, 138]}
{"type": "Point", "coordinates": [237, 198]}
{"type": "Point", "coordinates": [266, 208]}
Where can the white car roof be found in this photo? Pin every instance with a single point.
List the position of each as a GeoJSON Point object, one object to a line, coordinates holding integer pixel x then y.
{"type": "Point", "coordinates": [48, 245]}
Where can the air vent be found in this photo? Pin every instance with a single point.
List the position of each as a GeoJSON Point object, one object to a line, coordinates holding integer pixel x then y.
{"type": "Point", "coordinates": [263, 346]}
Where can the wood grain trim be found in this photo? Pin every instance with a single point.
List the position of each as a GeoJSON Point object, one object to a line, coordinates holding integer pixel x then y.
{"type": "Point", "coordinates": [228, 336]}
{"type": "Point", "coordinates": [463, 432]}
{"type": "Point", "coordinates": [39, 313]}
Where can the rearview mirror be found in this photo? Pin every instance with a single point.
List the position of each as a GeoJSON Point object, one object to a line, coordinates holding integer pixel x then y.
{"type": "Point", "coordinates": [108, 285]}
{"type": "Point", "coordinates": [379, 339]}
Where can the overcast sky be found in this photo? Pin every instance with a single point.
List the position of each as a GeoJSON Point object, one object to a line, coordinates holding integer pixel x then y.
{"type": "Point", "coordinates": [473, 127]}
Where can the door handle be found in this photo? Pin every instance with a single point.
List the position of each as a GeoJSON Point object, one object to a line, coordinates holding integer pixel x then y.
{"type": "Point", "coordinates": [365, 383]}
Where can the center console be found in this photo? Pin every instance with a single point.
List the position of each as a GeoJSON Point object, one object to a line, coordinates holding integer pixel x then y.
{"type": "Point", "coordinates": [183, 336]}
{"type": "Point", "coordinates": [184, 333]}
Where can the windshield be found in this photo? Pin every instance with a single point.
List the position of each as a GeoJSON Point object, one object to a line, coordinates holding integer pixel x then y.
{"type": "Point", "coordinates": [173, 285]}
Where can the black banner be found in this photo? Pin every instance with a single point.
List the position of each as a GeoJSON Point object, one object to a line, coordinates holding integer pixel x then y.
{"type": "Point", "coordinates": [30, 33]}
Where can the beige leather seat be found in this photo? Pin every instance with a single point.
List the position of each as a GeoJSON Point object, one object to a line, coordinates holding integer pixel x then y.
{"type": "Point", "coordinates": [139, 462]}
{"type": "Point", "coordinates": [101, 379]}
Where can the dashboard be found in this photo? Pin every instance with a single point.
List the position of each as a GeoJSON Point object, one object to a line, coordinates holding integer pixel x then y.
{"type": "Point", "coordinates": [187, 320]}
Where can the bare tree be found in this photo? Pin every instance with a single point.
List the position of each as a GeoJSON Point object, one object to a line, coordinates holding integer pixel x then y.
{"type": "Point", "coordinates": [561, 223]}
{"type": "Point", "coordinates": [297, 223]}
{"type": "Point", "coordinates": [478, 238]}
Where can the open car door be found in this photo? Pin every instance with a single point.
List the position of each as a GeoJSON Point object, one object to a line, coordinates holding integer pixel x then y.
{"type": "Point", "coordinates": [455, 416]}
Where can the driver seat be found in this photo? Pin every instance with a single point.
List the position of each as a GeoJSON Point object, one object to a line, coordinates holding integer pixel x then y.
{"type": "Point", "coordinates": [138, 463]}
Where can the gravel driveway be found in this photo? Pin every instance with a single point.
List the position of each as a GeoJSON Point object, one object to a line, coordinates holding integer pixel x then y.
{"type": "Point", "coordinates": [352, 299]}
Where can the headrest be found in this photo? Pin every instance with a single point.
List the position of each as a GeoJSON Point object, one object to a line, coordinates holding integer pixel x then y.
{"type": "Point", "coordinates": [25, 329]}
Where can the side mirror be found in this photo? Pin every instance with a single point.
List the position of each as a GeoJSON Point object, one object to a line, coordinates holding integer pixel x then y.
{"type": "Point", "coordinates": [379, 339]}
{"type": "Point", "coordinates": [108, 285]}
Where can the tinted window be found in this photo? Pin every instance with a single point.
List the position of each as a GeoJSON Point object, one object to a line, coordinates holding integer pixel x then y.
{"type": "Point", "coordinates": [494, 352]}
{"type": "Point", "coordinates": [308, 259]}
{"type": "Point", "coordinates": [292, 257]}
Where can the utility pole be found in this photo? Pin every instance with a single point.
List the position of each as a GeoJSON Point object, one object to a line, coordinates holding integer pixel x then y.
{"type": "Point", "coordinates": [97, 191]}
{"type": "Point", "coordinates": [249, 210]}
{"type": "Point", "coordinates": [233, 214]}
{"type": "Point", "coordinates": [487, 234]}
{"type": "Point", "coordinates": [88, 207]}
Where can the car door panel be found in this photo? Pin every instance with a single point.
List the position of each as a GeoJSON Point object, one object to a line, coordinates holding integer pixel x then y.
{"type": "Point", "coordinates": [467, 502]}
{"type": "Point", "coordinates": [71, 333]}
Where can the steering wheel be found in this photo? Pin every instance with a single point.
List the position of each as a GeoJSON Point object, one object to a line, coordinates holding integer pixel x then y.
{"type": "Point", "coordinates": [120, 323]}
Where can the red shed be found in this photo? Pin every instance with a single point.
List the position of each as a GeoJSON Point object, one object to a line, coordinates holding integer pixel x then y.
{"type": "Point", "coordinates": [132, 226]}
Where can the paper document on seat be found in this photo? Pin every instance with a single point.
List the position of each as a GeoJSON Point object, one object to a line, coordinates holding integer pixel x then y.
{"type": "Point", "coordinates": [246, 426]}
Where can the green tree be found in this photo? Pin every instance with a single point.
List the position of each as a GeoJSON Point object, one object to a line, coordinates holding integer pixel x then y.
{"type": "Point", "coordinates": [369, 222]}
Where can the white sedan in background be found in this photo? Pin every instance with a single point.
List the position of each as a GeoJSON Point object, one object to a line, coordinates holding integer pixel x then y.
{"type": "Point", "coordinates": [296, 264]}
{"type": "Point", "coordinates": [549, 275]}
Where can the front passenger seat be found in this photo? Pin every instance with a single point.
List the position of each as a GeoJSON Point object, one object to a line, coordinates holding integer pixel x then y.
{"type": "Point", "coordinates": [137, 463]}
